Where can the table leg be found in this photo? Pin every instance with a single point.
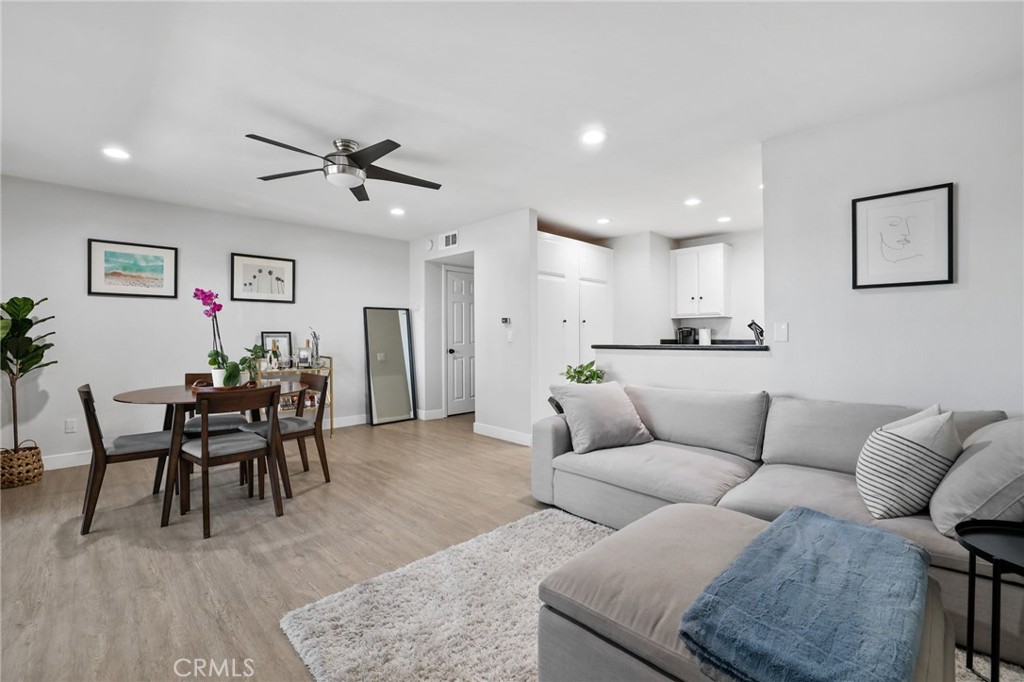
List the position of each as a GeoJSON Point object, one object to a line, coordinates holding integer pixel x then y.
{"type": "Point", "coordinates": [973, 567]}
{"type": "Point", "coordinates": [177, 430]}
{"type": "Point", "coordinates": [161, 461]}
{"type": "Point", "coordinates": [997, 579]}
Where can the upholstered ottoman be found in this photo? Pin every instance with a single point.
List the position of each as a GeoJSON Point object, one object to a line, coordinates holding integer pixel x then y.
{"type": "Point", "coordinates": [613, 612]}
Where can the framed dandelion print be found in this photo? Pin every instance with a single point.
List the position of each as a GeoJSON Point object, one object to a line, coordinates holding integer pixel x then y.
{"type": "Point", "coordinates": [128, 269]}
{"type": "Point", "coordinates": [261, 278]}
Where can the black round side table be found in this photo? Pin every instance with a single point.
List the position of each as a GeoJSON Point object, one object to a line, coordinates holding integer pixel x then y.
{"type": "Point", "coordinates": [1002, 544]}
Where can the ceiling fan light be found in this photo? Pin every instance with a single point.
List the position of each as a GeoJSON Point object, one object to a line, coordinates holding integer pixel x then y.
{"type": "Point", "coordinates": [344, 176]}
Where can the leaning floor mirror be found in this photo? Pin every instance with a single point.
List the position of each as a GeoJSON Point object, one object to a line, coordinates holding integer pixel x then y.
{"type": "Point", "coordinates": [390, 386]}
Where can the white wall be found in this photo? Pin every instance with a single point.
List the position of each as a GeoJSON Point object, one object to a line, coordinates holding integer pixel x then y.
{"type": "Point", "coordinates": [504, 261]}
{"type": "Point", "coordinates": [642, 288]}
{"type": "Point", "coordinates": [958, 344]}
{"type": "Point", "coordinates": [120, 343]}
{"type": "Point", "coordinates": [747, 284]}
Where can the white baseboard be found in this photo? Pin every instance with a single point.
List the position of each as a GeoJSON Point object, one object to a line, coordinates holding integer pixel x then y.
{"type": "Point", "coordinates": [67, 459]}
{"type": "Point", "coordinates": [430, 414]}
{"type": "Point", "coordinates": [350, 420]}
{"type": "Point", "coordinates": [503, 434]}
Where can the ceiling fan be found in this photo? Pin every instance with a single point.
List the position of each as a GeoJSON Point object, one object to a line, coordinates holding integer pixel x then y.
{"type": "Point", "coordinates": [349, 166]}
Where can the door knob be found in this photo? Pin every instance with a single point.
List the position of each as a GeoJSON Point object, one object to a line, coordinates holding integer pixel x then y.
{"type": "Point", "coordinates": [451, 351]}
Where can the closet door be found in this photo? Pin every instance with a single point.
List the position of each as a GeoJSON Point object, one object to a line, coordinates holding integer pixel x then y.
{"type": "Point", "coordinates": [595, 317]}
{"type": "Point", "coordinates": [557, 316]}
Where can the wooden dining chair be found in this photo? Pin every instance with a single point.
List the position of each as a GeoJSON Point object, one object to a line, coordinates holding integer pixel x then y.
{"type": "Point", "coordinates": [298, 428]}
{"type": "Point", "coordinates": [127, 448]}
{"type": "Point", "coordinates": [211, 449]}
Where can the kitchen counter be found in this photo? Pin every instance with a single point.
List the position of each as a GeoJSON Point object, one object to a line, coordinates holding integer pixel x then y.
{"type": "Point", "coordinates": [670, 344]}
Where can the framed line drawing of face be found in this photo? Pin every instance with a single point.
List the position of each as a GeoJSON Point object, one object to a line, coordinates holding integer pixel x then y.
{"type": "Point", "coordinates": [903, 238]}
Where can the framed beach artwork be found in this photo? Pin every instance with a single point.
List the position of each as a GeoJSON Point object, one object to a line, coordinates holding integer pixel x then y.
{"type": "Point", "coordinates": [903, 239]}
{"type": "Point", "coordinates": [127, 269]}
{"type": "Point", "coordinates": [261, 278]}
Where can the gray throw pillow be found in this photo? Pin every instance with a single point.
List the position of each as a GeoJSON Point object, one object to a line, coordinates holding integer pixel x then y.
{"type": "Point", "coordinates": [600, 416]}
{"type": "Point", "coordinates": [987, 481]}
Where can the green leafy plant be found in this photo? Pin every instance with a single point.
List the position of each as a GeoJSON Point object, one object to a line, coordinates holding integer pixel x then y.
{"type": "Point", "coordinates": [20, 352]}
{"type": "Point", "coordinates": [251, 362]}
{"type": "Point", "coordinates": [584, 374]}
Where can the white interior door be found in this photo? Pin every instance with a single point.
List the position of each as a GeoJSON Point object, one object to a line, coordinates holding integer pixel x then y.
{"type": "Point", "coordinates": [461, 344]}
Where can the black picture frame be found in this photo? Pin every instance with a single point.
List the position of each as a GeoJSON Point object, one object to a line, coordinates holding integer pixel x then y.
{"type": "Point", "coordinates": [903, 239]}
{"type": "Point", "coordinates": [267, 339]}
{"type": "Point", "coordinates": [136, 282]}
{"type": "Point", "coordinates": [262, 279]}
{"type": "Point", "coordinates": [409, 358]}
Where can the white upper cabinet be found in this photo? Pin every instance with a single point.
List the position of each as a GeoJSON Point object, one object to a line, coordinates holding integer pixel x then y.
{"type": "Point", "coordinates": [700, 281]}
{"type": "Point", "coordinates": [595, 263]}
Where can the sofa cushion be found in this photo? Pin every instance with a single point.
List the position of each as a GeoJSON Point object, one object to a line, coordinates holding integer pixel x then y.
{"type": "Point", "coordinates": [722, 420]}
{"type": "Point", "coordinates": [633, 587]}
{"type": "Point", "coordinates": [669, 471]}
{"type": "Point", "coordinates": [600, 416]}
{"type": "Point", "coordinates": [987, 481]}
{"type": "Point", "coordinates": [829, 435]}
{"type": "Point", "coordinates": [774, 488]}
{"type": "Point", "coordinates": [903, 463]}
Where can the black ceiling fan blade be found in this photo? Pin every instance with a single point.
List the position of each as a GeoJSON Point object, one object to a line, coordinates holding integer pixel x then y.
{"type": "Point", "coordinates": [360, 193]}
{"type": "Point", "coordinates": [378, 173]}
{"type": "Point", "coordinates": [260, 138]}
{"type": "Point", "coordinates": [278, 176]}
{"type": "Point", "coordinates": [364, 157]}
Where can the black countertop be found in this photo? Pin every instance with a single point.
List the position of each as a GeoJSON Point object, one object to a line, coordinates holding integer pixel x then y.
{"type": "Point", "coordinates": [670, 344]}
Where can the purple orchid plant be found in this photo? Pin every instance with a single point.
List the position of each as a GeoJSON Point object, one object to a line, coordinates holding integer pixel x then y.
{"type": "Point", "coordinates": [217, 357]}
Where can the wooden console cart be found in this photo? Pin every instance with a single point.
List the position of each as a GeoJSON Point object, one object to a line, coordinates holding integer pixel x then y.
{"type": "Point", "coordinates": [292, 373]}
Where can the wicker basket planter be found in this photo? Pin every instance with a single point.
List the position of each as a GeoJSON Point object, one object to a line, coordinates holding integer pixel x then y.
{"type": "Point", "coordinates": [21, 466]}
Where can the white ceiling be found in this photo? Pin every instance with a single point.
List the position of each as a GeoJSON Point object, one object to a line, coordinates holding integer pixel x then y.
{"type": "Point", "coordinates": [487, 99]}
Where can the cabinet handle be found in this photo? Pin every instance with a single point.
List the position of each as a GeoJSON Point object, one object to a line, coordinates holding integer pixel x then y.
{"type": "Point", "coordinates": [693, 298]}
{"type": "Point", "coordinates": [584, 321]}
{"type": "Point", "coordinates": [564, 321]}
{"type": "Point", "coordinates": [702, 298]}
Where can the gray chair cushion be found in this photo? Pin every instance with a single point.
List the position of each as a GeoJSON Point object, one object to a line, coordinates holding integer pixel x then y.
{"type": "Point", "coordinates": [286, 424]}
{"type": "Point", "coordinates": [668, 471]}
{"type": "Point", "coordinates": [986, 482]}
{"type": "Point", "coordinates": [633, 587]}
{"type": "Point", "coordinates": [217, 422]}
{"type": "Point", "coordinates": [137, 442]}
{"type": "Point", "coordinates": [721, 420]}
{"type": "Point", "coordinates": [228, 444]}
{"type": "Point", "coordinates": [774, 488]}
{"type": "Point", "coordinates": [830, 435]}
{"type": "Point", "coordinates": [600, 416]}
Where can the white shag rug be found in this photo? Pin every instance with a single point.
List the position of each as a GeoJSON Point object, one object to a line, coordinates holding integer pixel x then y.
{"type": "Point", "coordinates": [468, 612]}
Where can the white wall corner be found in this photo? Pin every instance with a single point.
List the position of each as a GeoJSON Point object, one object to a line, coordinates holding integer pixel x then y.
{"type": "Point", "coordinates": [503, 434]}
{"type": "Point", "coordinates": [428, 415]}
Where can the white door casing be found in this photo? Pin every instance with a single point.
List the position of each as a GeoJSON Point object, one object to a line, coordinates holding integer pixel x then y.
{"type": "Point", "coordinates": [460, 343]}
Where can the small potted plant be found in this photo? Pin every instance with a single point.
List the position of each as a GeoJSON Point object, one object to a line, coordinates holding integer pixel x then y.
{"type": "Point", "coordinates": [584, 374]}
{"type": "Point", "coordinates": [21, 353]}
{"type": "Point", "coordinates": [251, 362]}
{"type": "Point", "coordinates": [225, 372]}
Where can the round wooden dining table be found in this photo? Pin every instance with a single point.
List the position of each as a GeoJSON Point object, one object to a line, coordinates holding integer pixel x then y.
{"type": "Point", "coordinates": [179, 400]}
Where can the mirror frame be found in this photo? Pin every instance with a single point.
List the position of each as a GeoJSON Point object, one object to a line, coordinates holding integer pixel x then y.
{"type": "Point", "coordinates": [409, 361]}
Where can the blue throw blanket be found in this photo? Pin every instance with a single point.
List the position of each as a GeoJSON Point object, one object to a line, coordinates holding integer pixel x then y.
{"type": "Point", "coordinates": [814, 598]}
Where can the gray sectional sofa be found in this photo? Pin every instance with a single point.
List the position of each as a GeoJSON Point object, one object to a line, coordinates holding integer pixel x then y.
{"type": "Point", "coordinates": [756, 455]}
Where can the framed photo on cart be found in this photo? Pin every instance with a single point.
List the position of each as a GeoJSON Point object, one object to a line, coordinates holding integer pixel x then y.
{"type": "Point", "coordinates": [262, 278]}
{"type": "Point", "coordinates": [128, 269]}
{"type": "Point", "coordinates": [283, 341]}
{"type": "Point", "coordinates": [903, 239]}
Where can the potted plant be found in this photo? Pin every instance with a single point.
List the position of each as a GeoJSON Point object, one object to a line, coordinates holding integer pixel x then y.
{"type": "Point", "coordinates": [584, 374]}
{"type": "Point", "coordinates": [225, 372]}
{"type": "Point", "coordinates": [251, 362]}
{"type": "Point", "coordinates": [21, 353]}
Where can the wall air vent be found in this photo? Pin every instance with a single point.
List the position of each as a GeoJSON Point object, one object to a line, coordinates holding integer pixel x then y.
{"type": "Point", "coordinates": [448, 240]}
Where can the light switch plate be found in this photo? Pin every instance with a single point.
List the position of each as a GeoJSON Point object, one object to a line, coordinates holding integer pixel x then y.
{"type": "Point", "coordinates": [511, 336]}
{"type": "Point", "coordinates": [782, 331]}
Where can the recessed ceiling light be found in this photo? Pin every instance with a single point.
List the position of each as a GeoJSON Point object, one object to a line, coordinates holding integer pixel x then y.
{"type": "Point", "coordinates": [603, 221]}
{"type": "Point", "coordinates": [593, 136]}
{"type": "Point", "coordinates": [397, 211]}
{"type": "Point", "coordinates": [724, 219]}
{"type": "Point", "coordinates": [692, 202]}
{"type": "Point", "coordinates": [116, 153]}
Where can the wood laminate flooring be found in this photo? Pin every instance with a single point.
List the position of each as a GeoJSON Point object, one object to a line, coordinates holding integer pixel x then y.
{"type": "Point", "coordinates": [129, 599]}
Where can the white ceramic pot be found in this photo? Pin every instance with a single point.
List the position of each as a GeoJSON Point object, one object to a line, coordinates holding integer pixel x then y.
{"type": "Point", "coordinates": [218, 377]}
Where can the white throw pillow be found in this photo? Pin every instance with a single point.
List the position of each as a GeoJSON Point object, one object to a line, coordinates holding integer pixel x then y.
{"type": "Point", "coordinates": [600, 416]}
{"type": "Point", "coordinates": [902, 463]}
{"type": "Point", "coordinates": [987, 481]}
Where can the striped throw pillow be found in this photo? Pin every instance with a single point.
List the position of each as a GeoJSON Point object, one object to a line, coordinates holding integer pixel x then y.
{"type": "Point", "coordinates": [903, 463]}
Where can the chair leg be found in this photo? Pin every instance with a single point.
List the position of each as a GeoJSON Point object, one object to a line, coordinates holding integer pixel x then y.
{"type": "Point", "coordinates": [160, 462]}
{"type": "Point", "coordinates": [275, 484]}
{"type": "Point", "coordinates": [206, 502]}
{"type": "Point", "coordinates": [302, 454]}
{"type": "Point", "coordinates": [262, 470]}
{"type": "Point", "coordinates": [286, 480]}
{"type": "Point", "coordinates": [185, 485]}
{"type": "Point", "coordinates": [242, 474]}
{"type": "Point", "coordinates": [248, 474]}
{"type": "Point", "coordinates": [95, 483]}
{"type": "Point", "coordinates": [88, 484]}
{"type": "Point", "coordinates": [321, 450]}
